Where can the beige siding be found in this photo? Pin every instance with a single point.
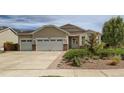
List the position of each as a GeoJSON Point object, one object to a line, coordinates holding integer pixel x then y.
{"type": "Point", "coordinates": [8, 35]}
{"type": "Point", "coordinates": [49, 32]}
{"type": "Point", "coordinates": [24, 36]}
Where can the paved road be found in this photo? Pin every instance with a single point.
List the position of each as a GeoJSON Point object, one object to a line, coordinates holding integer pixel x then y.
{"type": "Point", "coordinates": [63, 73]}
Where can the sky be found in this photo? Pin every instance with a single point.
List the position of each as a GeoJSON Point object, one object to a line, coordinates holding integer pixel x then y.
{"type": "Point", "coordinates": [32, 22]}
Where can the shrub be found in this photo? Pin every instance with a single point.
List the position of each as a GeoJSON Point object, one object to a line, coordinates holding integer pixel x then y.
{"type": "Point", "coordinates": [119, 51]}
{"type": "Point", "coordinates": [110, 52]}
{"type": "Point", "coordinates": [101, 53]}
{"type": "Point", "coordinates": [76, 62]}
{"type": "Point", "coordinates": [106, 53]}
{"type": "Point", "coordinates": [115, 60]}
{"type": "Point", "coordinates": [76, 53]}
{"type": "Point", "coordinates": [10, 46]}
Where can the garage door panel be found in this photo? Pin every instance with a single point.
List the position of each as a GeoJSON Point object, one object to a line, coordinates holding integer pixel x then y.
{"type": "Point", "coordinates": [26, 45]}
{"type": "Point", "coordinates": [50, 44]}
{"type": "Point", "coordinates": [42, 45]}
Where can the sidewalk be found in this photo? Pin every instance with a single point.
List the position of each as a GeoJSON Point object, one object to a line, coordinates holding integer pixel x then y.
{"type": "Point", "coordinates": [63, 73]}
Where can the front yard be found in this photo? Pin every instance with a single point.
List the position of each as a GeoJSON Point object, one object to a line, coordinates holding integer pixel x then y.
{"type": "Point", "coordinates": [84, 59]}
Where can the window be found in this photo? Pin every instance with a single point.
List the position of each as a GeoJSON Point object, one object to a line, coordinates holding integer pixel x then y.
{"type": "Point", "coordinates": [53, 40]}
{"type": "Point", "coordinates": [59, 40]}
{"type": "Point", "coordinates": [40, 40]}
{"type": "Point", "coordinates": [23, 40]}
{"type": "Point", "coordinates": [29, 40]}
{"type": "Point", "coordinates": [46, 40]}
{"type": "Point", "coordinates": [74, 41]}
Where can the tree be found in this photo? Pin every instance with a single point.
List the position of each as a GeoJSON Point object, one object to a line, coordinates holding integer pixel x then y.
{"type": "Point", "coordinates": [93, 42]}
{"type": "Point", "coordinates": [113, 32]}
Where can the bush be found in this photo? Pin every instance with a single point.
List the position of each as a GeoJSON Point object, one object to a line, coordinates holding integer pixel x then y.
{"type": "Point", "coordinates": [110, 52]}
{"type": "Point", "coordinates": [10, 46]}
{"type": "Point", "coordinates": [115, 60]}
{"type": "Point", "coordinates": [76, 62]}
{"type": "Point", "coordinates": [101, 53]}
{"type": "Point", "coordinates": [119, 51]}
{"type": "Point", "coordinates": [106, 53]}
{"type": "Point", "coordinates": [76, 53]}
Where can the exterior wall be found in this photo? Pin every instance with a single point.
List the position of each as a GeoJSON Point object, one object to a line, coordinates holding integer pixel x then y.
{"type": "Point", "coordinates": [25, 36]}
{"type": "Point", "coordinates": [9, 36]}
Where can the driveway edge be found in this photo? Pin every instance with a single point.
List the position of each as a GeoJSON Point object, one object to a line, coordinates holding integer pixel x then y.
{"type": "Point", "coordinates": [54, 64]}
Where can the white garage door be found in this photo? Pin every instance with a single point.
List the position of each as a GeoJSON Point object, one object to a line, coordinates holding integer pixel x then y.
{"type": "Point", "coordinates": [49, 44]}
{"type": "Point", "coordinates": [26, 45]}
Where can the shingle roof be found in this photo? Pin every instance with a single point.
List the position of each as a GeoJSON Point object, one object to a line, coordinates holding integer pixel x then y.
{"type": "Point", "coordinates": [72, 28]}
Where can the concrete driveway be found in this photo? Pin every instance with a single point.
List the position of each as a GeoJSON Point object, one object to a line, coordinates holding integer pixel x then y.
{"type": "Point", "coordinates": [31, 60]}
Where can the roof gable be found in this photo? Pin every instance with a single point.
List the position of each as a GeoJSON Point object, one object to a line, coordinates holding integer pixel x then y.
{"type": "Point", "coordinates": [72, 28]}
{"type": "Point", "coordinates": [10, 29]}
{"type": "Point", "coordinates": [46, 26]}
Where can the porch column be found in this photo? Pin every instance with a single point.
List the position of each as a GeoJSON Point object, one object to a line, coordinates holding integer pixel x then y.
{"type": "Point", "coordinates": [80, 40]}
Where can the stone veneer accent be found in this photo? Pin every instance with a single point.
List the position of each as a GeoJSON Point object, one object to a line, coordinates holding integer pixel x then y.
{"type": "Point", "coordinates": [65, 47]}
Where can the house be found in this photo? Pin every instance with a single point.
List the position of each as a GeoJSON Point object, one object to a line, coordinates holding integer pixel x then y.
{"type": "Point", "coordinates": [8, 34]}
{"type": "Point", "coordinates": [53, 38]}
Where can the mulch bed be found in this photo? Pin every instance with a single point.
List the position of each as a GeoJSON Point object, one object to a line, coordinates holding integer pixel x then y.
{"type": "Point", "coordinates": [96, 64]}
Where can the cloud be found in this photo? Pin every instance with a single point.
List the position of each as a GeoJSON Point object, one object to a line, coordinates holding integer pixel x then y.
{"type": "Point", "coordinates": [94, 22]}
{"type": "Point", "coordinates": [5, 16]}
{"type": "Point", "coordinates": [24, 21]}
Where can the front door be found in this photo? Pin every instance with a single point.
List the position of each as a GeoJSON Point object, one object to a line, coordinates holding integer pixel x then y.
{"type": "Point", "coordinates": [74, 42]}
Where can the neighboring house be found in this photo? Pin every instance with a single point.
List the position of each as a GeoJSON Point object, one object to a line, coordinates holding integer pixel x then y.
{"type": "Point", "coordinates": [52, 38]}
{"type": "Point", "coordinates": [8, 34]}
